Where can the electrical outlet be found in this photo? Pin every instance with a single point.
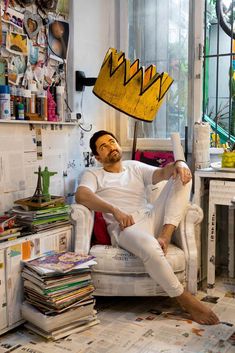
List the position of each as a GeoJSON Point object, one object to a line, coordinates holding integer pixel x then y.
{"type": "Point", "coordinates": [75, 116]}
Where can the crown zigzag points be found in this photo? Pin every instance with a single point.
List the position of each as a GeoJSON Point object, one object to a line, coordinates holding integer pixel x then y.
{"type": "Point", "coordinates": [129, 87]}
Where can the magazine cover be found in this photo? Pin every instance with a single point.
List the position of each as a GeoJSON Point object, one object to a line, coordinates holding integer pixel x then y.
{"type": "Point", "coordinates": [61, 262]}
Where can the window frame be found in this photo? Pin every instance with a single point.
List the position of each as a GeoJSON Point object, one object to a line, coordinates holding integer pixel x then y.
{"type": "Point", "coordinates": [196, 37]}
{"type": "Point", "coordinates": [223, 50]}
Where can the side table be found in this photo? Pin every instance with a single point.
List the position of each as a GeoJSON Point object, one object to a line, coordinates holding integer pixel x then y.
{"type": "Point", "coordinates": [221, 191]}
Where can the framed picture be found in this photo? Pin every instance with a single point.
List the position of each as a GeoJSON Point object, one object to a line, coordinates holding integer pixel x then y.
{"type": "Point", "coordinates": [58, 38]}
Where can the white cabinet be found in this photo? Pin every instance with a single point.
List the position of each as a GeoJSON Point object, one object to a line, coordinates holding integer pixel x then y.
{"type": "Point", "coordinates": [11, 255]}
{"type": "Point", "coordinates": [3, 308]}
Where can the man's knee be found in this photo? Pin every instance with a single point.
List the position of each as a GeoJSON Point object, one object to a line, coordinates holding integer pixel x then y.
{"type": "Point", "coordinates": [142, 244]}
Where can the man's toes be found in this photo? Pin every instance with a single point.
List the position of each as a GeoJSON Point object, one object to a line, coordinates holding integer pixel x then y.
{"type": "Point", "coordinates": [214, 318]}
{"type": "Point", "coordinates": [210, 320]}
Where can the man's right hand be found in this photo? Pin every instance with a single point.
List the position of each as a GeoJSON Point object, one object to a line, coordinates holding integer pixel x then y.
{"type": "Point", "coordinates": [124, 220]}
{"type": "Point", "coordinates": [89, 199]}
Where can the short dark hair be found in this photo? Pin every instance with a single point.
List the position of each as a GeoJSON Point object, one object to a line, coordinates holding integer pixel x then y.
{"type": "Point", "coordinates": [95, 137]}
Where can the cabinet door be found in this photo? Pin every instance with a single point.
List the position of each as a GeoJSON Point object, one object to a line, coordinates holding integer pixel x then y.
{"type": "Point", "coordinates": [33, 246]}
{"type": "Point", "coordinates": [14, 282]}
{"type": "Point", "coordinates": [61, 240]}
{"type": "Point", "coordinates": [3, 306]}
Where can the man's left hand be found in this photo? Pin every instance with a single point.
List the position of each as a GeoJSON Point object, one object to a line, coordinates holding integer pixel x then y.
{"type": "Point", "coordinates": [181, 169]}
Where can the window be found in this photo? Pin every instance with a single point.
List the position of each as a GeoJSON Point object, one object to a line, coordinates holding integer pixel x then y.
{"type": "Point", "coordinates": [219, 69]}
{"type": "Point", "coordinates": [159, 34]}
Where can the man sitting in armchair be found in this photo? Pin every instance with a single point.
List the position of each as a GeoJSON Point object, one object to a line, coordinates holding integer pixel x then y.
{"type": "Point", "coordinates": [118, 190]}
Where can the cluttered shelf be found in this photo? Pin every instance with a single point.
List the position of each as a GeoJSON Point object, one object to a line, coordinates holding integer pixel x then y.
{"type": "Point", "coordinates": [38, 122]}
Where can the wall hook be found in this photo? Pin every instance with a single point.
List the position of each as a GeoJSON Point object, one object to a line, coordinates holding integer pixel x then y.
{"type": "Point", "coordinates": [81, 81]}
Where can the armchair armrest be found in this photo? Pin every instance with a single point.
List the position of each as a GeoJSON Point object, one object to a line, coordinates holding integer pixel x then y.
{"type": "Point", "coordinates": [185, 238]}
{"type": "Point", "coordinates": [83, 220]}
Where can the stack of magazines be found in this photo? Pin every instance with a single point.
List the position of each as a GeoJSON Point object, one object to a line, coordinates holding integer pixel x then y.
{"type": "Point", "coordinates": [42, 219]}
{"type": "Point", "coordinates": [10, 229]}
{"type": "Point", "coordinates": [58, 294]}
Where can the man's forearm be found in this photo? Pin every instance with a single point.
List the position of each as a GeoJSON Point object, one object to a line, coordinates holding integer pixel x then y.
{"type": "Point", "coordinates": [163, 173]}
{"type": "Point", "coordinates": [87, 198]}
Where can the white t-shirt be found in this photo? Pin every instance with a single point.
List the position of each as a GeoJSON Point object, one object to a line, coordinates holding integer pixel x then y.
{"type": "Point", "coordinates": [125, 190]}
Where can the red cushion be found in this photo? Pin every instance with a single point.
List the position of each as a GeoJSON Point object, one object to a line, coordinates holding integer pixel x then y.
{"type": "Point", "coordinates": [100, 233]}
{"type": "Point", "coordinates": [155, 158]}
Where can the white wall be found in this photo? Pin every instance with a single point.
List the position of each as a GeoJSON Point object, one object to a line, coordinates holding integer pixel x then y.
{"type": "Point", "coordinates": [92, 33]}
{"type": "Point", "coordinates": [93, 23]}
{"type": "Point", "coordinates": [19, 161]}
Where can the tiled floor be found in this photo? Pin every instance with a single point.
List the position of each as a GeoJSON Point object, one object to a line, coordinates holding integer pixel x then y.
{"type": "Point", "coordinates": [142, 325]}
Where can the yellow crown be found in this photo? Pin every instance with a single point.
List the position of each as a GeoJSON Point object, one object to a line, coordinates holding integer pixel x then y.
{"type": "Point", "coordinates": [129, 88]}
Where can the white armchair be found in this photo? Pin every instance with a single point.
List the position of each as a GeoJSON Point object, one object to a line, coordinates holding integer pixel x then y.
{"type": "Point", "coordinates": [119, 273]}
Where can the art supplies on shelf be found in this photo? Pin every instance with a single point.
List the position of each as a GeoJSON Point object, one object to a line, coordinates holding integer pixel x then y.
{"type": "Point", "coordinates": [58, 303]}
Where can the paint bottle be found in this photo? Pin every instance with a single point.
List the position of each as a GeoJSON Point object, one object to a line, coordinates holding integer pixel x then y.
{"type": "Point", "coordinates": [19, 95]}
{"type": "Point", "coordinates": [60, 102]}
{"type": "Point", "coordinates": [33, 89]}
{"type": "Point", "coordinates": [20, 111]}
{"type": "Point", "coordinates": [42, 104]}
{"type": "Point", "coordinates": [5, 105]}
{"type": "Point", "coordinates": [27, 100]}
{"type": "Point", "coordinates": [13, 95]}
{"type": "Point", "coordinates": [18, 100]}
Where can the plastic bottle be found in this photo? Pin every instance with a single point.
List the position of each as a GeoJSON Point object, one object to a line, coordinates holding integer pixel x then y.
{"type": "Point", "coordinates": [33, 89]}
{"type": "Point", "coordinates": [27, 100]}
{"type": "Point", "coordinates": [18, 100]}
{"type": "Point", "coordinates": [13, 95]}
{"type": "Point", "coordinates": [20, 111]}
{"type": "Point", "coordinates": [19, 94]}
{"type": "Point", "coordinates": [44, 105]}
{"type": "Point", "coordinates": [60, 102]}
{"type": "Point", "coordinates": [51, 106]}
{"type": "Point", "coordinates": [5, 106]}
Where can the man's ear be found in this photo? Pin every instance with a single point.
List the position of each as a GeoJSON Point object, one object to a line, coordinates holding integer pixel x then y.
{"type": "Point", "coordinates": [97, 157]}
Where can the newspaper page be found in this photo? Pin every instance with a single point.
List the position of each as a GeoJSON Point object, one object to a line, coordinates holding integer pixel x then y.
{"type": "Point", "coordinates": [144, 325]}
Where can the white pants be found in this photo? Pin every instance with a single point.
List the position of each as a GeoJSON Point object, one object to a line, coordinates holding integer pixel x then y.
{"type": "Point", "coordinates": [139, 239]}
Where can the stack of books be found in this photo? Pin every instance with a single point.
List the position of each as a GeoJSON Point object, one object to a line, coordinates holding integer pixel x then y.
{"type": "Point", "coordinates": [9, 228]}
{"type": "Point", "coordinates": [42, 219]}
{"type": "Point", "coordinates": [58, 294]}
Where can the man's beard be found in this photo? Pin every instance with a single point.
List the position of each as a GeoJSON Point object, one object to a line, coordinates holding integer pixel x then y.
{"type": "Point", "coordinates": [113, 157]}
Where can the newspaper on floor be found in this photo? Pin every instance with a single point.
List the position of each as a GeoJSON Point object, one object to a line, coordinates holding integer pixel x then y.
{"type": "Point", "coordinates": [146, 325]}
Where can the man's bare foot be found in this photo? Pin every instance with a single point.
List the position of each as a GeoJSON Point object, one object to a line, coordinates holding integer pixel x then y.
{"type": "Point", "coordinates": [164, 237]}
{"type": "Point", "coordinates": [199, 312]}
